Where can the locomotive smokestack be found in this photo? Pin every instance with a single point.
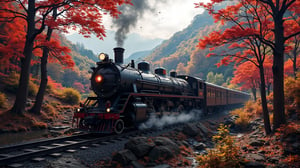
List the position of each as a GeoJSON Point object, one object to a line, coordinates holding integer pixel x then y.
{"type": "Point", "coordinates": [119, 55]}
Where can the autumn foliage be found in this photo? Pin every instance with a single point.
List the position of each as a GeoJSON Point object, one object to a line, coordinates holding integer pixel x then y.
{"type": "Point", "coordinates": [292, 96]}
{"type": "Point", "coordinates": [12, 37]}
{"type": "Point", "coordinates": [3, 100]}
{"type": "Point", "coordinates": [257, 29]}
{"type": "Point", "coordinates": [70, 96]}
{"type": "Point", "coordinates": [225, 153]}
{"type": "Point", "coordinates": [29, 20]}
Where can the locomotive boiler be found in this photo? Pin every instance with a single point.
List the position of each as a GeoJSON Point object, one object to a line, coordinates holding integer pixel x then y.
{"type": "Point", "coordinates": [127, 96]}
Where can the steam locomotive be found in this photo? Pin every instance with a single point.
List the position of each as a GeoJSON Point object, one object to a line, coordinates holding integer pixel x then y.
{"type": "Point", "coordinates": [127, 96]}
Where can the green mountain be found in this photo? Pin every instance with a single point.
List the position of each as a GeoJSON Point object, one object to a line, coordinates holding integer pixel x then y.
{"type": "Point", "coordinates": [137, 56]}
{"type": "Point", "coordinates": [84, 59]}
{"type": "Point", "coordinates": [181, 54]}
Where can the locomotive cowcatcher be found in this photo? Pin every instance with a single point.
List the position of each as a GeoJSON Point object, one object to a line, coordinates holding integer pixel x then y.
{"type": "Point", "coordinates": [127, 96]}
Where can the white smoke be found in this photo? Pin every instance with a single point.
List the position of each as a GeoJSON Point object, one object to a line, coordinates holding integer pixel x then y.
{"type": "Point", "coordinates": [160, 122]}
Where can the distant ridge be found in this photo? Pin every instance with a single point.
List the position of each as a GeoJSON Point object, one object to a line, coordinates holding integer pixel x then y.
{"type": "Point", "coordinates": [137, 56]}
{"type": "Point", "coordinates": [133, 43]}
{"type": "Point", "coordinates": [181, 54]}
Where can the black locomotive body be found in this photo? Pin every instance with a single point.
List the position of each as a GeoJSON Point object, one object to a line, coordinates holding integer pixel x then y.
{"type": "Point", "coordinates": [128, 96]}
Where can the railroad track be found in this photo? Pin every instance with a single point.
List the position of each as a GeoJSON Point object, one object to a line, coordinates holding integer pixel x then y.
{"type": "Point", "coordinates": [38, 150]}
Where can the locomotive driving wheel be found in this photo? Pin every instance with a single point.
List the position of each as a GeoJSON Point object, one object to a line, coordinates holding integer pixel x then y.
{"type": "Point", "coordinates": [82, 123]}
{"type": "Point", "coordinates": [119, 126]}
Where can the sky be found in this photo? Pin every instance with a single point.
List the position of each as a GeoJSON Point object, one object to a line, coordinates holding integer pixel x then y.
{"type": "Point", "coordinates": [158, 21]}
{"type": "Point", "coordinates": [165, 18]}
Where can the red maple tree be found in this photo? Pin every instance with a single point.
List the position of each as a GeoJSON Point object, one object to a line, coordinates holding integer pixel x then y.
{"type": "Point", "coordinates": [247, 75]}
{"type": "Point", "coordinates": [83, 14]}
{"type": "Point", "coordinates": [257, 26]}
{"type": "Point", "coordinates": [293, 53]}
{"type": "Point", "coordinates": [12, 37]}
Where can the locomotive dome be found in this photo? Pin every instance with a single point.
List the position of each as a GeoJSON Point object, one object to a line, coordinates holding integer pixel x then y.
{"type": "Point", "coordinates": [173, 74]}
{"type": "Point", "coordinates": [144, 66]}
{"type": "Point", "coordinates": [160, 71]}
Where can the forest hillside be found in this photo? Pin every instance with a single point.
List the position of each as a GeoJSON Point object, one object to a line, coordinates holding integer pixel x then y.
{"type": "Point", "coordinates": [181, 54]}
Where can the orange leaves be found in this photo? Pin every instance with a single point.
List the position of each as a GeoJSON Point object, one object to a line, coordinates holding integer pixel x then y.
{"type": "Point", "coordinates": [53, 85]}
{"type": "Point", "coordinates": [229, 35]}
{"type": "Point", "coordinates": [225, 61]}
{"type": "Point", "coordinates": [213, 39]}
{"type": "Point", "coordinates": [247, 75]}
{"type": "Point", "coordinates": [288, 129]}
{"type": "Point", "coordinates": [291, 26]}
{"type": "Point", "coordinates": [210, 54]}
{"type": "Point", "coordinates": [292, 160]}
{"type": "Point", "coordinates": [12, 37]}
{"type": "Point", "coordinates": [234, 45]}
{"type": "Point", "coordinates": [57, 52]}
{"type": "Point", "coordinates": [84, 16]}
{"type": "Point", "coordinates": [225, 153]}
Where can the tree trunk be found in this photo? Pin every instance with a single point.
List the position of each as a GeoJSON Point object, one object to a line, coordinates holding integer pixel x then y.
{"type": "Point", "coordinates": [36, 109]}
{"type": "Point", "coordinates": [264, 101]}
{"type": "Point", "coordinates": [278, 63]}
{"type": "Point", "coordinates": [21, 96]}
{"type": "Point", "coordinates": [254, 93]}
{"type": "Point", "coordinates": [295, 54]}
{"type": "Point", "coordinates": [295, 65]}
{"type": "Point", "coordinates": [43, 85]}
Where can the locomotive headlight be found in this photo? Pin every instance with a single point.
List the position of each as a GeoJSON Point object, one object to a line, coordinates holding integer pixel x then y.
{"type": "Point", "coordinates": [103, 57]}
{"type": "Point", "coordinates": [108, 110]}
{"type": "Point", "coordinates": [78, 110]}
{"type": "Point", "coordinates": [98, 78]}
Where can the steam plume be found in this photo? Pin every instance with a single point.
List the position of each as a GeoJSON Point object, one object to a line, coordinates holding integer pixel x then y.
{"type": "Point", "coordinates": [128, 18]}
{"type": "Point", "coordinates": [155, 122]}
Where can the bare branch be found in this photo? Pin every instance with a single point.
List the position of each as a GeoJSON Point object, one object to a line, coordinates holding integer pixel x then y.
{"type": "Point", "coordinates": [292, 35]}
{"type": "Point", "coordinates": [25, 9]}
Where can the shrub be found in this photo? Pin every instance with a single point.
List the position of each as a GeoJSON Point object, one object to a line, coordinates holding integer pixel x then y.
{"type": "Point", "coordinates": [70, 96]}
{"type": "Point", "coordinates": [53, 86]}
{"type": "Point", "coordinates": [249, 106]}
{"type": "Point", "coordinates": [3, 100]}
{"type": "Point", "coordinates": [34, 121]}
{"type": "Point", "coordinates": [243, 120]}
{"type": "Point", "coordinates": [292, 95]}
{"type": "Point", "coordinates": [244, 116]}
{"type": "Point", "coordinates": [32, 89]}
{"type": "Point", "coordinates": [50, 111]}
{"type": "Point", "coordinates": [288, 129]}
{"type": "Point", "coordinates": [225, 153]}
{"type": "Point", "coordinates": [12, 82]}
{"type": "Point", "coordinates": [38, 124]}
